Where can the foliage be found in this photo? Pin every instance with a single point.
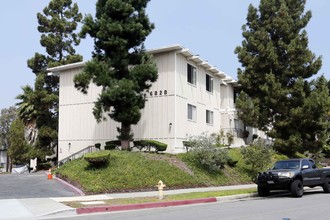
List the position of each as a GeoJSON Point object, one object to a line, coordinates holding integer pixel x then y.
{"type": "Point", "coordinates": [19, 149]}
{"type": "Point", "coordinates": [148, 144]}
{"type": "Point", "coordinates": [38, 107]}
{"type": "Point", "coordinates": [98, 158]}
{"type": "Point", "coordinates": [120, 64]}
{"type": "Point", "coordinates": [205, 153]}
{"type": "Point", "coordinates": [97, 145]}
{"type": "Point", "coordinates": [257, 156]}
{"type": "Point", "coordinates": [7, 116]}
{"type": "Point", "coordinates": [277, 95]}
{"type": "Point", "coordinates": [111, 145]}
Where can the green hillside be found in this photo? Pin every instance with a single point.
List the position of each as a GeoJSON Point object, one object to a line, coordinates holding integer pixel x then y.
{"type": "Point", "coordinates": [139, 171]}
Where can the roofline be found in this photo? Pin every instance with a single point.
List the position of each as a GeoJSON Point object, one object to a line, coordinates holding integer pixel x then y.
{"type": "Point", "coordinates": [176, 48]}
{"type": "Point", "coordinates": [56, 70]}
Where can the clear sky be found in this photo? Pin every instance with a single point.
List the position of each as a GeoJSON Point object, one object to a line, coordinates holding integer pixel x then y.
{"type": "Point", "coordinates": [210, 28]}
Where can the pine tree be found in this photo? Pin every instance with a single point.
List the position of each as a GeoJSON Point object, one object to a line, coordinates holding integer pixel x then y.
{"type": "Point", "coordinates": [57, 25]}
{"type": "Point", "coordinates": [120, 64]}
{"type": "Point", "coordinates": [277, 65]}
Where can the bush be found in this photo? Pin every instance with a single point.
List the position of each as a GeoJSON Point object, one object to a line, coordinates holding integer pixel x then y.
{"type": "Point", "coordinates": [258, 157]}
{"type": "Point", "coordinates": [98, 145]}
{"type": "Point", "coordinates": [148, 144]}
{"type": "Point", "coordinates": [98, 158]}
{"type": "Point", "coordinates": [206, 154]}
{"type": "Point", "coordinates": [211, 159]}
{"type": "Point", "coordinates": [111, 145]}
{"type": "Point", "coordinates": [44, 166]}
{"type": "Point", "coordinates": [187, 144]}
{"type": "Point", "coordinates": [231, 162]}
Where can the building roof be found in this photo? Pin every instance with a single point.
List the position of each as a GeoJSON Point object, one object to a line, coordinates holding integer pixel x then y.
{"type": "Point", "coordinates": [176, 47]}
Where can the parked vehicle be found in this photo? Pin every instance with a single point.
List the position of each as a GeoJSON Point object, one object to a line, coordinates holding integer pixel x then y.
{"type": "Point", "coordinates": [293, 175]}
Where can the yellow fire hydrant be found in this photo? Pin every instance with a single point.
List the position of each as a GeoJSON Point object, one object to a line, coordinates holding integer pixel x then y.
{"type": "Point", "coordinates": [160, 186]}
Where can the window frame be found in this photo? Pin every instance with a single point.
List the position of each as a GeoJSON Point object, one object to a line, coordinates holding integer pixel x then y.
{"type": "Point", "coordinates": [191, 111]}
{"type": "Point", "coordinates": [209, 117]}
{"type": "Point", "coordinates": [191, 74]}
{"type": "Point", "coordinates": [209, 83]}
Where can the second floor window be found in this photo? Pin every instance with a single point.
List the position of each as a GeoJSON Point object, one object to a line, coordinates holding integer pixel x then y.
{"type": "Point", "coordinates": [191, 74]}
{"type": "Point", "coordinates": [192, 112]}
{"type": "Point", "coordinates": [209, 83]}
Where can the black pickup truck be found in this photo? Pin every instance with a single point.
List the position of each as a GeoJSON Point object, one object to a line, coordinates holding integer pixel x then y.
{"type": "Point", "coordinates": [293, 175]}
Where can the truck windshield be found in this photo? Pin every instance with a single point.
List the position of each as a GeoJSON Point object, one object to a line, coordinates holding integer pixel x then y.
{"type": "Point", "coordinates": [287, 165]}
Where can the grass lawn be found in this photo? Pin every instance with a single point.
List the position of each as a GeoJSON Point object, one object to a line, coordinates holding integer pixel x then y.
{"type": "Point", "coordinates": [167, 198]}
{"type": "Point", "coordinates": [139, 171]}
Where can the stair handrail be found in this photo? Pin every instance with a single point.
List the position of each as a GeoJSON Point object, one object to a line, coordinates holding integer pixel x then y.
{"type": "Point", "coordinates": [78, 154]}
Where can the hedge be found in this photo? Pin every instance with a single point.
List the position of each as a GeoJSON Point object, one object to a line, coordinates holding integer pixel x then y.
{"type": "Point", "coordinates": [98, 158]}
{"type": "Point", "coordinates": [148, 144]}
{"type": "Point", "coordinates": [111, 145]}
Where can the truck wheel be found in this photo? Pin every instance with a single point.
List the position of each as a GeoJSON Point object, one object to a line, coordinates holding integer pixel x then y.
{"type": "Point", "coordinates": [326, 185]}
{"type": "Point", "coordinates": [297, 188]}
{"type": "Point", "coordinates": [263, 191]}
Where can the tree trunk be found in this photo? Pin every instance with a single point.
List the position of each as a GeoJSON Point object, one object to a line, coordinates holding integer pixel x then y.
{"type": "Point", "coordinates": [125, 136]}
{"type": "Point", "coordinates": [7, 162]}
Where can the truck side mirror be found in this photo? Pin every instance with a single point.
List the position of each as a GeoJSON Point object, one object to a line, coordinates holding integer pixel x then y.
{"type": "Point", "coordinates": [305, 167]}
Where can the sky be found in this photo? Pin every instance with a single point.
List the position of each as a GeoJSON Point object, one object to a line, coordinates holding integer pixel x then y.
{"type": "Point", "coordinates": [209, 28]}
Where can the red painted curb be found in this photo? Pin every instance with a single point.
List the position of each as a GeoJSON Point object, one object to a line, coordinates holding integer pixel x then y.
{"type": "Point", "coordinates": [142, 206]}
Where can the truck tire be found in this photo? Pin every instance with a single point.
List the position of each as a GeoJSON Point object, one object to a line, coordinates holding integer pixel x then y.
{"type": "Point", "coordinates": [326, 185]}
{"type": "Point", "coordinates": [263, 191]}
{"type": "Point", "coordinates": [297, 188]}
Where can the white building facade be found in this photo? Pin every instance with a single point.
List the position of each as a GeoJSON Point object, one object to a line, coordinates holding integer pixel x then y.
{"type": "Point", "coordinates": [190, 97]}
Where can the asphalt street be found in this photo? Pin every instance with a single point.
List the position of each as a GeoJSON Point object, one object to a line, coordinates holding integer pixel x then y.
{"type": "Point", "coordinates": [32, 185]}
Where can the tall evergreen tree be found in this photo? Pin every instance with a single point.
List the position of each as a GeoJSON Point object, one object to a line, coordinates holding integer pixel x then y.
{"type": "Point", "coordinates": [276, 93]}
{"type": "Point", "coordinates": [19, 148]}
{"type": "Point", "coordinates": [57, 25]}
{"type": "Point", "coordinates": [119, 65]}
{"type": "Point", "coordinates": [7, 117]}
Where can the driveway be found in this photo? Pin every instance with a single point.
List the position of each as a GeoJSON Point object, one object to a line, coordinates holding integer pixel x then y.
{"type": "Point", "coordinates": [32, 185]}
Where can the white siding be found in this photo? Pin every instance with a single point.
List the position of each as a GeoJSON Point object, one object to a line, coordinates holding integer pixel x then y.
{"type": "Point", "coordinates": [164, 117]}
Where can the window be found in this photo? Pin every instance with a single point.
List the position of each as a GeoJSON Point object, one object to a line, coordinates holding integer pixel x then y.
{"type": "Point", "coordinates": [209, 117]}
{"type": "Point", "coordinates": [191, 74]}
{"type": "Point", "coordinates": [209, 83]}
{"type": "Point", "coordinates": [192, 112]}
{"type": "Point", "coordinates": [305, 163]}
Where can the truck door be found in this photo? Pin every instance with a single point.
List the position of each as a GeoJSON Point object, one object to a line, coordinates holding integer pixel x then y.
{"type": "Point", "coordinates": [310, 173]}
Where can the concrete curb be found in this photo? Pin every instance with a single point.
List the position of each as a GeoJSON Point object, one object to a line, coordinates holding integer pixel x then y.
{"type": "Point", "coordinates": [75, 189]}
{"type": "Point", "coordinates": [143, 206]}
{"type": "Point", "coordinates": [164, 204]}
{"type": "Point", "coordinates": [237, 197]}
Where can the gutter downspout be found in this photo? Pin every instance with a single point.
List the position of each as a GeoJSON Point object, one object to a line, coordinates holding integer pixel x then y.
{"type": "Point", "coordinates": [175, 93]}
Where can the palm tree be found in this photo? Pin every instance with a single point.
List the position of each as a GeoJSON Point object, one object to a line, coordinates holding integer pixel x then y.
{"type": "Point", "coordinates": [27, 112]}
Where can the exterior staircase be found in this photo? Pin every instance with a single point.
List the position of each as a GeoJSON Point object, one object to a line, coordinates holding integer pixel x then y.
{"type": "Point", "coordinates": [78, 154]}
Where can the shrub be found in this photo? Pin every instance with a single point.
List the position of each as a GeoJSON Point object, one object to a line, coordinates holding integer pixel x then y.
{"type": "Point", "coordinates": [231, 162]}
{"type": "Point", "coordinates": [98, 158]}
{"type": "Point", "coordinates": [98, 145]}
{"type": "Point", "coordinates": [187, 144]}
{"type": "Point", "coordinates": [206, 154]}
{"type": "Point", "coordinates": [44, 166]}
{"type": "Point", "coordinates": [111, 145]}
{"type": "Point", "coordinates": [148, 144]}
{"type": "Point", "coordinates": [258, 156]}
{"type": "Point", "coordinates": [211, 159]}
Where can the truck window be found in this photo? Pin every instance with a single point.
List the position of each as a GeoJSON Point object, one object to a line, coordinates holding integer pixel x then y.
{"type": "Point", "coordinates": [305, 162]}
{"type": "Point", "coordinates": [312, 163]}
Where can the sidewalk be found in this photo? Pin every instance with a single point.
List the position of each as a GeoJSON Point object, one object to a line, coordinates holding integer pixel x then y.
{"type": "Point", "coordinates": [44, 208]}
